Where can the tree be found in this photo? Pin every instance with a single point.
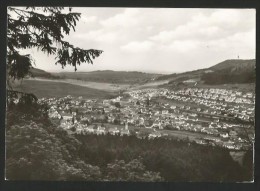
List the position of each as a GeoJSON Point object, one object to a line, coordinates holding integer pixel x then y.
{"type": "Point", "coordinates": [42, 28]}
{"type": "Point", "coordinates": [117, 104]}
{"type": "Point", "coordinates": [117, 120]}
{"type": "Point", "coordinates": [38, 151]}
{"type": "Point", "coordinates": [119, 170]}
{"type": "Point", "coordinates": [147, 101]}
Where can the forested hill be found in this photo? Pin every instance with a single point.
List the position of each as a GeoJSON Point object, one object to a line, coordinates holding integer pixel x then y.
{"type": "Point", "coordinates": [235, 65]}
{"type": "Point", "coordinates": [231, 71]}
{"type": "Point", "coordinates": [108, 76]}
{"type": "Point", "coordinates": [35, 72]}
{"type": "Point", "coordinates": [226, 72]}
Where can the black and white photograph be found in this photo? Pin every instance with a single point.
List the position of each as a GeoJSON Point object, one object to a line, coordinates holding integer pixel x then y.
{"type": "Point", "coordinates": [113, 94]}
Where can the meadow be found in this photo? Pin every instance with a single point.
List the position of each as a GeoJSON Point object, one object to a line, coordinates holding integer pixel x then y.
{"type": "Point", "coordinates": [61, 89]}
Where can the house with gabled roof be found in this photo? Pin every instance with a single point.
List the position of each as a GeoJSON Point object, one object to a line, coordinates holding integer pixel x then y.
{"type": "Point", "coordinates": [101, 130]}
{"type": "Point", "coordinates": [124, 132]}
{"type": "Point", "coordinates": [66, 116]}
{"type": "Point", "coordinates": [113, 131]}
{"type": "Point", "coordinates": [154, 134]}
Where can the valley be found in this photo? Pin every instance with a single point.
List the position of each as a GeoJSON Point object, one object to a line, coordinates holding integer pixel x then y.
{"type": "Point", "coordinates": [182, 107]}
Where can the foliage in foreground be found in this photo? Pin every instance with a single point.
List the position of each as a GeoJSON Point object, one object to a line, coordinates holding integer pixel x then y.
{"type": "Point", "coordinates": [39, 150]}
{"type": "Point", "coordinates": [174, 160]}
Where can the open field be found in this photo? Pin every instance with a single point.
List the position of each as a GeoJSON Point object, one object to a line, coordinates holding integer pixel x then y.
{"type": "Point", "coordinates": [152, 84]}
{"type": "Point", "coordinates": [61, 89]}
{"type": "Point", "coordinates": [95, 85]}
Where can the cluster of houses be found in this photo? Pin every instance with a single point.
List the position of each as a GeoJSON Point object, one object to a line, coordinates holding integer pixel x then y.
{"type": "Point", "coordinates": [216, 101]}
{"type": "Point", "coordinates": [101, 130]}
{"type": "Point", "coordinates": [210, 112]}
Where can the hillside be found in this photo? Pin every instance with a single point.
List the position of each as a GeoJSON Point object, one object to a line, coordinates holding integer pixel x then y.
{"type": "Point", "coordinates": [234, 65]}
{"type": "Point", "coordinates": [226, 72]}
{"type": "Point", "coordinates": [109, 76]}
{"type": "Point", "coordinates": [35, 72]}
{"type": "Point", "coordinates": [231, 71]}
{"type": "Point", "coordinates": [182, 76]}
{"type": "Point", "coordinates": [59, 89]}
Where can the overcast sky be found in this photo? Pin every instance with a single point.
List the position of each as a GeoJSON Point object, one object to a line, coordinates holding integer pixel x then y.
{"type": "Point", "coordinates": [162, 40]}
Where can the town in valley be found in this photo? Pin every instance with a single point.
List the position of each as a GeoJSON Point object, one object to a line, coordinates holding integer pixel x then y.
{"type": "Point", "coordinates": [207, 116]}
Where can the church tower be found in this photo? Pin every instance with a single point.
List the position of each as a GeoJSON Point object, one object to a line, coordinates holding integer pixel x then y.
{"type": "Point", "coordinates": [126, 125]}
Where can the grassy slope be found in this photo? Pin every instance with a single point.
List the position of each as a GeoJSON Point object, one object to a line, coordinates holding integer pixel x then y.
{"type": "Point", "coordinates": [58, 89]}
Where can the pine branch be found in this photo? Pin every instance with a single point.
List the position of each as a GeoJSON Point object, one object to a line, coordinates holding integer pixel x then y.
{"type": "Point", "coordinates": [77, 55]}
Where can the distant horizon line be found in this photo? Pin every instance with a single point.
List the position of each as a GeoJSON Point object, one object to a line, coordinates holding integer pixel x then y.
{"type": "Point", "coordinates": [143, 71]}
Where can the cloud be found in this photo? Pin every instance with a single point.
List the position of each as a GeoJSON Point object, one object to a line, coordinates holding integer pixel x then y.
{"type": "Point", "coordinates": [219, 24]}
{"type": "Point", "coordinates": [88, 19]}
{"type": "Point", "coordinates": [189, 31]}
{"type": "Point", "coordinates": [138, 46]}
{"type": "Point", "coordinates": [101, 36]}
{"type": "Point", "coordinates": [223, 16]}
{"type": "Point", "coordinates": [126, 19]}
{"type": "Point", "coordinates": [182, 46]}
{"type": "Point", "coordinates": [240, 41]}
